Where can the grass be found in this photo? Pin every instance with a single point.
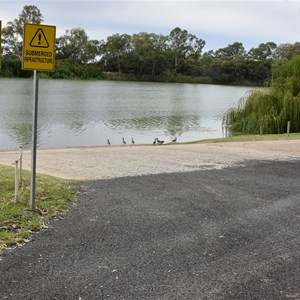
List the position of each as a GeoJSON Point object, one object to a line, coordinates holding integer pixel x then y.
{"type": "Point", "coordinates": [17, 221]}
{"type": "Point", "coordinates": [245, 138]}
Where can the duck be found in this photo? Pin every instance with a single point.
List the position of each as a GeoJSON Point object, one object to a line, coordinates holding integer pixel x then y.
{"type": "Point", "coordinates": [124, 143]}
{"type": "Point", "coordinates": [132, 141]}
{"type": "Point", "coordinates": [174, 140]}
{"type": "Point", "coordinates": [160, 142]}
{"type": "Point", "coordinates": [108, 142]}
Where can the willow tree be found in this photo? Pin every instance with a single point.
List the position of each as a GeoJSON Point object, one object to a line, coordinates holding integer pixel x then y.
{"type": "Point", "coordinates": [269, 111]}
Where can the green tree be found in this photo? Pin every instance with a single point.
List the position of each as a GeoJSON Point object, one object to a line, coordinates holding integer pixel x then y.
{"type": "Point", "coordinates": [227, 65]}
{"type": "Point", "coordinates": [258, 71]}
{"type": "Point", "coordinates": [287, 51]}
{"type": "Point", "coordinates": [148, 54]}
{"type": "Point", "coordinates": [205, 62]}
{"type": "Point", "coordinates": [159, 59]}
{"type": "Point", "coordinates": [114, 51]}
{"type": "Point", "coordinates": [184, 45]}
{"type": "Point", "coordinates": [76, 45]}
{"type": "Point", "coordinates": [12, 33]}
{"type": "Point", "coordinates": [231, 51]}
{"type": "Point", "coordinates": [264, 51]}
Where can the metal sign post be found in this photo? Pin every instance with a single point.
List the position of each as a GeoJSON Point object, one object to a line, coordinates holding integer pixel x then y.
{"type": "Point", "coordinates": [38, 55]}
{"type": "Point", "coordinates": [0, 44]}
{"type": "Point", "coordinates": [34, 139]}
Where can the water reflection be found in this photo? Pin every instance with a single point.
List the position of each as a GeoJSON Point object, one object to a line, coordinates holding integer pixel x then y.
{"type": "Point", "coordinates": [172, 125]}
{"type": "Point", "coordinates": [76, 113]}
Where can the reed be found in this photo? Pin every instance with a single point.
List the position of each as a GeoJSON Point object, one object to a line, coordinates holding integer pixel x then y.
{"type": "Point", "coordinates": [269, 111]}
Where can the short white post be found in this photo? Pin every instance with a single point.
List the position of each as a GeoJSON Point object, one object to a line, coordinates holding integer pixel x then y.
{"type": "Point", "coordinates": [21, 162]}
{"type": "Point", "coordinates": [17, 182]}
{"type": "Point", "coordinates": [261, 130]}
{"type": "Point", "coordinates": [288, 127]}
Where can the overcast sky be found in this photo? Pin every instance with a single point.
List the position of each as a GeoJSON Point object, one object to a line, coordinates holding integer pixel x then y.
{"type": "Point", "coordinates": [219, 23]}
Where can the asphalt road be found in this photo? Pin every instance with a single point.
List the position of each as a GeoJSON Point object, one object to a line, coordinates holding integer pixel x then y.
{"type": "Point", "coordinates": [232, 233]}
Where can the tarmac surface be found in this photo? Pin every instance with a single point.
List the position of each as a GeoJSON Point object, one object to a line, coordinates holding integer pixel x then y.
{"type": "Point", "coordinates": [222, 231]}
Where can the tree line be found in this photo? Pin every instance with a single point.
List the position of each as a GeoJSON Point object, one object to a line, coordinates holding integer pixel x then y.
{"type": "Point", "coordinates": [176, 57]}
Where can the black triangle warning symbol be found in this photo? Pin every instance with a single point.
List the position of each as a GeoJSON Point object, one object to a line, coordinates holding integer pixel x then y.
{"type": "Point", "coordinates": [39, 40]}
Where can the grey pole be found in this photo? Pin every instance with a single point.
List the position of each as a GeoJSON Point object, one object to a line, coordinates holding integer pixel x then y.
{"type": "Point", "coordinates": [34, 140]}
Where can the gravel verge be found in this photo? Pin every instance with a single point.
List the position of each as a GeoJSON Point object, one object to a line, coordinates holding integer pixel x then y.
{"type": "Point", "coordinates": [86, 163]}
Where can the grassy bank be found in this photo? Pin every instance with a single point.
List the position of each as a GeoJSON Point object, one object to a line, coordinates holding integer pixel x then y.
{"type": "Point", "coordinates": [17, 221]}
{"type": "Point", "coordinates": [247, 138]}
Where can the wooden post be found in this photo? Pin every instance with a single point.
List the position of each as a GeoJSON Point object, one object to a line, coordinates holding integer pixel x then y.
{"type": "Point", "coordinates": [288, 127]}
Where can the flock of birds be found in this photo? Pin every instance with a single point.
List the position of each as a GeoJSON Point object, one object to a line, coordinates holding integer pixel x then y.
{"type": "Point", "coordinates": [155, 142]}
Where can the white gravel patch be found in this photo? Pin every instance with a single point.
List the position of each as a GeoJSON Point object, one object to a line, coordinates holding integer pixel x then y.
{"type": "Point", "coordinates": [119, 161]}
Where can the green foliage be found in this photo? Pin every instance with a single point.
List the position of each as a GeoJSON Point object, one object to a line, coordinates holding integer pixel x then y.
{"type": "Point", "coordinates": [147, 56]}
{"type": "Point", "coordinates": [184, 45]}
{"type": "Point", "coordinates": [287, 51]}
{"type": "Point", "coordinates": [75, 45]}
{"type": "Point", "coordinates": [17, 222]}
{"type": "Point", "coordinates": [114, 52]}
{"type": "Point", "coordinates": [264, 52]}
{"type": "Point", "coordinates": [69, 69]}
{"type": "Point", "coordinates": [119, 76]}
{"type": "Point", "coordinates": [269, 111]}
{"type": "Point", "coordinates": [231, 51]}
{"type": "Point", "coordinates": [11, 67]}
{"type": "Point", "coordinates": [12, 38]}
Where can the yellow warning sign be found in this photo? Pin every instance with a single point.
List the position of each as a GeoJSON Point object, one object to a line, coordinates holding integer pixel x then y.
{"type": "Point", "coordinates": [39, 40]}
{"type": "Point", "coordinates": [38, 47]}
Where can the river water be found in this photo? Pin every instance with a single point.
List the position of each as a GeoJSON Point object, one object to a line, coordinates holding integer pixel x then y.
{"type": "Point", "coordinates": [87, 113]}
